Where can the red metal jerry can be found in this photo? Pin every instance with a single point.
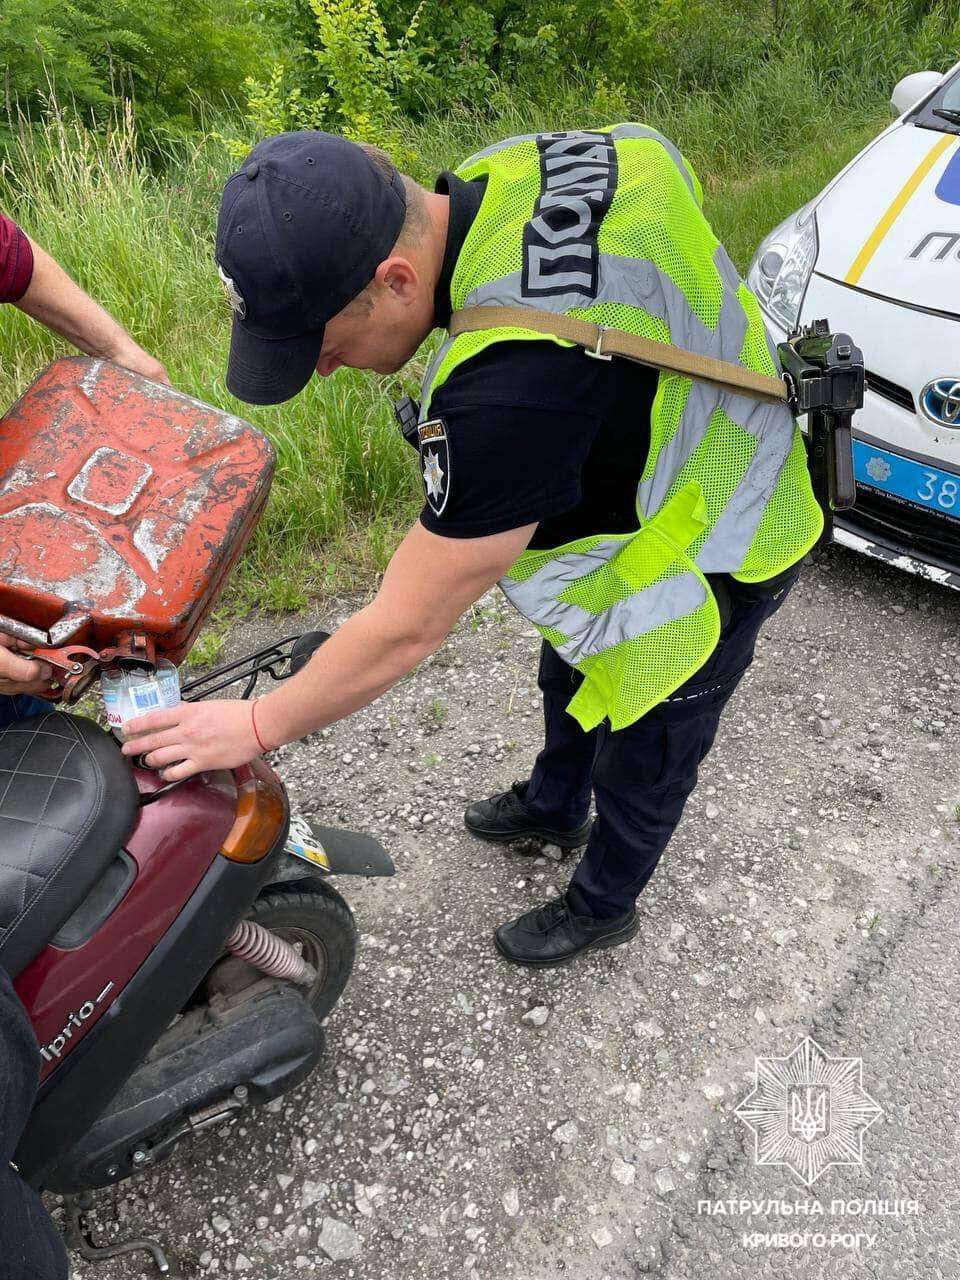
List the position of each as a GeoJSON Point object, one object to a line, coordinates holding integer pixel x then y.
{"type": "Point", "coordinates": [123, 507]}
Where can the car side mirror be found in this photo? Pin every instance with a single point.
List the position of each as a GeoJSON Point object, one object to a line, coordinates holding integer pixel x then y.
{"type": "Point", "coordinates": [912, 88]}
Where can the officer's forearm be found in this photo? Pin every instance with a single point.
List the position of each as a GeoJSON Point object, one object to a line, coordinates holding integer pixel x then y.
{"type": "Point", "coordinates": [360, 661]}
{"type": "Point", "coordinates": [428, 584]}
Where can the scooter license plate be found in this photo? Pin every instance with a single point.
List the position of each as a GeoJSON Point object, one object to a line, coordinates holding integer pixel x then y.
{"type": "Point", "coordinates": [302, 843]}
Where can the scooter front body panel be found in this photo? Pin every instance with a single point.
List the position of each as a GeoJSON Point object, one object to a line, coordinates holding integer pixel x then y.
{"type": "Point", "coordinates": [78, 1091]}
{"type": "Point", "coordinates": [67, 990]}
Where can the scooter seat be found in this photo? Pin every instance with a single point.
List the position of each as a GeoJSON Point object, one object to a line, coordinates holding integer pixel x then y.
{"type": "Point", "coordinates": [68, 801]}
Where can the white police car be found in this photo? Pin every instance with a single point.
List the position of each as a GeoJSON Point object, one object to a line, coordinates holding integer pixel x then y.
{"type": "Point", "coordinates": [877, 253]}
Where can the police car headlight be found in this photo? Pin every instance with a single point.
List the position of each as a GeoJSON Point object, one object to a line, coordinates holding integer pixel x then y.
{"type": "Point", "coordinates": [782, 266]}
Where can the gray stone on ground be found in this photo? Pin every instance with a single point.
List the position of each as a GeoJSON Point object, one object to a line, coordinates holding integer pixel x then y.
{"type": "Point", "coordinates": [566, 1134]}
{"type": "Point", "coordinates": [338, 1240]}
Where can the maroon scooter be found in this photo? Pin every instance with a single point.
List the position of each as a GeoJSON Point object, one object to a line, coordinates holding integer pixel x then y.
{"type": "Point", "coordinates": [178, 947]}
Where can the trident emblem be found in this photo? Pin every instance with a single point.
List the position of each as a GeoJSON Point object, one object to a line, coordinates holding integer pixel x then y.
{"type": "Point", "coordinates": [808, 1112]}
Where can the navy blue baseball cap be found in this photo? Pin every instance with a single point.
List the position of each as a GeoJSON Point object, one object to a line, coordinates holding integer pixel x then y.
{"type": "Point", "coordinates": [303, 226]}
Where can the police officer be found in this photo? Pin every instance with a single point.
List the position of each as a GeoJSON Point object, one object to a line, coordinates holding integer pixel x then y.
{"type": "Point", "coordinates": [647, 524]}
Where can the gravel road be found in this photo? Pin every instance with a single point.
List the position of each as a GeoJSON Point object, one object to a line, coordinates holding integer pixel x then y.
{"type": "Point", "coordinates": [476, 1120]}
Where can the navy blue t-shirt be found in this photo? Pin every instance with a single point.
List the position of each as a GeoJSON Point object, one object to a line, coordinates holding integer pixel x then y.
{"type": "Point", "coordinates": [530, 432]}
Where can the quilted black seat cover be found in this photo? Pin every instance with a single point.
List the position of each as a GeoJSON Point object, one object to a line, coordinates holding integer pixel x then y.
{"type": "Point", "coordinates": [68, 801]}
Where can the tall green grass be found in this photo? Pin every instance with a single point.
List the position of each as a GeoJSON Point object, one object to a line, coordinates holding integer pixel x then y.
{"type": "Point", "coordinates": [139, 237]}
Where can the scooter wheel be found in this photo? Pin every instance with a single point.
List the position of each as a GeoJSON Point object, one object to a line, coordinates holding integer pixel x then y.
{"type": "Point", "coordinates": [321, 926]}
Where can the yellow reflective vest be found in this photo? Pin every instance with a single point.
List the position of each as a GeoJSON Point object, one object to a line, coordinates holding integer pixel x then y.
{"type": "Point", "coordinates": [606, 225]}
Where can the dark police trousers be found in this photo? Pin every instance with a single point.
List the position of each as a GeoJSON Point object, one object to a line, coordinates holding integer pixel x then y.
{"type": "Point", "coordinates": [642, 775]}
{"type": "Point", "coordinates": [30, 1246]}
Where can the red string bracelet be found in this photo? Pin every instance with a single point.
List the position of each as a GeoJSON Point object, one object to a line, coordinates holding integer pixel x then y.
{"type": "Point", "coordinates": [253, 719]}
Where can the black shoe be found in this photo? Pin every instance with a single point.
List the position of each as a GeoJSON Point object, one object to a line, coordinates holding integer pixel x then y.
{"type": "Point", "coordinates": [552, 935]}
{"type": "Point", "coordinates": [504, 817]}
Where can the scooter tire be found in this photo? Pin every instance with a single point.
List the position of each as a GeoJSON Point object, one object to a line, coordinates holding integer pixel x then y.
{"type": "Point", "coordinates": [315, 915]}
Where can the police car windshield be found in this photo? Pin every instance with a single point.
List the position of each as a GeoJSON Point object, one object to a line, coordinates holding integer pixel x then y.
{"type": "Point", "coordinates": [949, 98]}
{"type": "Point", "coordinates": [942, 112]}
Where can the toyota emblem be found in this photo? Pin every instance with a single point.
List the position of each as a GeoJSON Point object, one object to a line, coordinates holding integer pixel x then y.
{"type": "Point", "coordinates": [940, 401]}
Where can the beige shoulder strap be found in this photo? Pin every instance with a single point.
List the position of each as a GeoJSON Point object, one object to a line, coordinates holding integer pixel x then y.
{"type": "Point", "coordinates": [604, 343]}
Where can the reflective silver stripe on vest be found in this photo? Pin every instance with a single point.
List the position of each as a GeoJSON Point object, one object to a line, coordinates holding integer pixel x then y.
{"type": "Point", "coordinates": [643, 131]}
{"type": "Point", "coordinates": [638, 282]}
{"type": "Point", "coordinates": [725, 342]}
{"type": "Point", "coordinates": [592, 633]}
{"type": "Point", "coordinates": [619, 131]}
{"type": "Point", "coordinates": [426, 385]}
{"type": "Point", "coordinates": [498, 146]}
{"type": "Point", "coordinates": [772, 426]}
{"type": "Point", "coordinates": [733, 532]}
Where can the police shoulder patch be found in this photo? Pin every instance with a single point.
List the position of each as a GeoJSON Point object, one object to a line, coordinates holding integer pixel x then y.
{"type": "Point", "coordinates": [434, 449]}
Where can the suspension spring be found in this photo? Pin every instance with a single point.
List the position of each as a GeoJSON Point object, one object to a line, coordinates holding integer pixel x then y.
{"type": "Point", "coordinates": [268, 953]}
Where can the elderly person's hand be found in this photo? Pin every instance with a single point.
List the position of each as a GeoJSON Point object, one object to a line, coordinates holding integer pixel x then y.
{"type": "Point", "coordinates": [133, 357]}
{"type": "Point", "coordinates": [19, 674]}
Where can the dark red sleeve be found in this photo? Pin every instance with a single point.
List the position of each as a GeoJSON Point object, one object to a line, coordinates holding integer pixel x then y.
{"type": "Point", "coordinates": [16, 261]}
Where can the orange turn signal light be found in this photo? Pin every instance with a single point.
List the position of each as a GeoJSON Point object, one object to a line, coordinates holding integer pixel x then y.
{"type": "Point", "coordinates": [261, 814]}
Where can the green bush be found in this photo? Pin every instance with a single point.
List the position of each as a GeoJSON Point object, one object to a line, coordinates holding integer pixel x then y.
{"type": "Point", "coordinates": [364, 72]}
{"type": "Point", "coordinates": [172, 58]}
{"type": "Point", "coordinates": [463, 52]}
{"type": "Point", "coordinates": [365, 67]}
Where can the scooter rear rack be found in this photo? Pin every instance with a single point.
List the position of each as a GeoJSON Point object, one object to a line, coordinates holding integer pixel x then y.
{"type": "Point", "coordinates": [280, 661]}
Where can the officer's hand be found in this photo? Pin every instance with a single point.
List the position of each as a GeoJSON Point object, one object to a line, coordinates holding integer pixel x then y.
{"type": "Point", "coordinates": [19, 674]}
{"type": "Point", "coordinates": [193, 737]}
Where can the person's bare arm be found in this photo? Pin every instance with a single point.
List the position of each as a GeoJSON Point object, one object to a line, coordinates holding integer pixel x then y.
{"type": "Point", "coordinates": [427, 586]}
{"type": "Point", "coordinates": [60, 304]}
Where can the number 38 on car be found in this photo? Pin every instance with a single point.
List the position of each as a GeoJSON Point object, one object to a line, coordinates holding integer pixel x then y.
{"type": "Point", "coordinates": [878, 252]}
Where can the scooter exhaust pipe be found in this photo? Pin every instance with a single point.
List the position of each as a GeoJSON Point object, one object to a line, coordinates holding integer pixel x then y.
{"type": "Point", "coordinates": [268, 953]}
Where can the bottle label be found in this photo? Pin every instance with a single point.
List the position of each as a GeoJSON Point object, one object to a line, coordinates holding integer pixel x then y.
{"type": "Point", "coordinates": [136, 693]}
{"type": "Point", "coordinates": [111, 704]}
{"type": "Point", "coordinates": [169, 688]}
{"type": "Point", "coordinates": [146, 697]}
